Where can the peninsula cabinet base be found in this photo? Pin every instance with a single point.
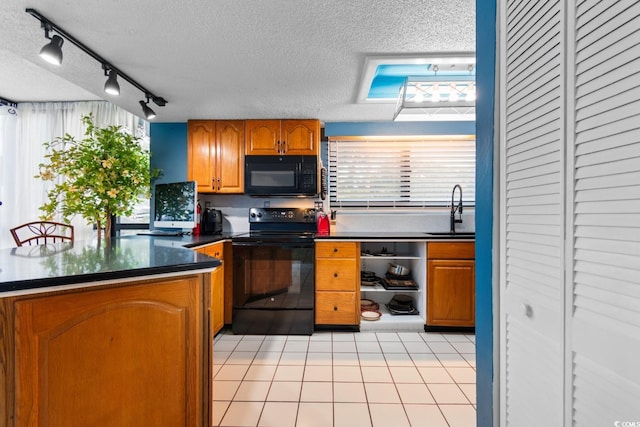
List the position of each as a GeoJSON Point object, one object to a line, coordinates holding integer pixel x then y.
{"type": "Point", "coordinates": [128, 355]}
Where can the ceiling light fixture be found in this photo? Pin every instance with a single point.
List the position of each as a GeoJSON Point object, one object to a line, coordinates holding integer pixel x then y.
{"type": "Point", "coordinates": [52, 52]}
{"type": "Point", "coordinates": [146, 110]}
{"type": "Point", "coordinates": [111, 86]}
{"type": "Point", "coordinates": [447, 94]}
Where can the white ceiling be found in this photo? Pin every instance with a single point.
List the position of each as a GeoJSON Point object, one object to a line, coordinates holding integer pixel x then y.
{"type": "Point", "coordinates": [223, 59]}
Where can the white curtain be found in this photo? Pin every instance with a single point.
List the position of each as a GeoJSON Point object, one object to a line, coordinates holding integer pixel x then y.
{"type": "Point", "coordinates": [21, 151]}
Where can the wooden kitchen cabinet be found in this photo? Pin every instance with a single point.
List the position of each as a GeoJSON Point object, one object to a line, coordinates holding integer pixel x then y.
{"type": "Point", "coordinates": [282, 137]}
{"type": "Point", "coordinates": [126, 355]}
{"type": "Point", "coordinates": [218, 275]}
{"type": "Point", "coordinates": [451, 284]}
{"type": "Point", "coordinates": [216, 155]}
{"type": "Point", "coordinates": [337, 283]}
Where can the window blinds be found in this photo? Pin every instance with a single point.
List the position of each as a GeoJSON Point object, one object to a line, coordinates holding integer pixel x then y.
{"type": "Point", "coordinates": [399, 172]}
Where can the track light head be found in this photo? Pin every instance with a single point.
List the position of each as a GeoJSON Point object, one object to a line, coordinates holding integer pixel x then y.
{"type": "Point", "coordinates": [149, 114]}
{"type": "Point", "coordinates": [111, 86]}
{"type": "Point", "coordinates": [52, 51]}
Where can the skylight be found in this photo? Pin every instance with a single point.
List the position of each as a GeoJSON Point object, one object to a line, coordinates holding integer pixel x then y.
{"type": "Point", "coordinates": [444, 83]}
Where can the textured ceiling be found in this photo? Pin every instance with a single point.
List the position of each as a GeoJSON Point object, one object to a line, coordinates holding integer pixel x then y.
{"type": "Point", "coordinates": [227, 59]}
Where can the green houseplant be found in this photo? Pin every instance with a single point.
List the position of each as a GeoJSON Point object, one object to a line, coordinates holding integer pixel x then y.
{"type": "Point", "coordinates": [103, 174]}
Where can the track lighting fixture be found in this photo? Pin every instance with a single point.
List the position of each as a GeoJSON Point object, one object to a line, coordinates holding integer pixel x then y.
{"type": "Point", "coordinates": [111, 86]}
{"type": "Point", "coordinates": [52, 52]}
{"type": "Point", "coordinates": [146, 110]}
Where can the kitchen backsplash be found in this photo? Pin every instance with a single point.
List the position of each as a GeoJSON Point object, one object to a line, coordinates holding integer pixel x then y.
{"type": "Point", "coordinates": [235, 211]}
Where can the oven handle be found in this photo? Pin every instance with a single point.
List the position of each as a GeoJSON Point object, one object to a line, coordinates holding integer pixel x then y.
{"type": "Point", "coordinates": [253, 243]}
{"type": "Point", "coordinates": [305, 245]}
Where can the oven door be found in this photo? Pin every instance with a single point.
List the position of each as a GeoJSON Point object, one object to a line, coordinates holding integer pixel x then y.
{"type": "Point", "coordinates": [273, 287]}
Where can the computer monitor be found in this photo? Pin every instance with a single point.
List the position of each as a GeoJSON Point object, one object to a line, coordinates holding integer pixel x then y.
{"type": "Point", "coordinates": [175, 205]}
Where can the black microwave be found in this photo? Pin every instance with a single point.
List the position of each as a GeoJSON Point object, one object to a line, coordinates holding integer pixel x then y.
{"type": "Point", "coordinates": [281, 175]}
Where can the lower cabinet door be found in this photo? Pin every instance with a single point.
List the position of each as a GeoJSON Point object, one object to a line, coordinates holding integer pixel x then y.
{"type": "Point", "coordinates": [336, 308]}
{"type": "Point", "coordinates": [126, 356]}
{"type": "Point", "coordinates": [451, 293]}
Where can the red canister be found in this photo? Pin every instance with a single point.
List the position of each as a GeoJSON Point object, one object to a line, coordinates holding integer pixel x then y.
{"type": "Point", "coordinates": [323, 224]}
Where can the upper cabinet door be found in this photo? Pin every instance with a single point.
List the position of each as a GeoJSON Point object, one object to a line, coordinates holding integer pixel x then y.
{"type": "Point", "coordinates": [300, 137]}
{"type": "Point", "coordinates": [262, 137]}
{"type": "Point", "coordinates": [230, 156]}
{"type": "Point", "coordinates": [201, 149]}
{"type": "Point", "coordinates": [216, 155]}
{"type": "Point", "coordinates": [282, 137]}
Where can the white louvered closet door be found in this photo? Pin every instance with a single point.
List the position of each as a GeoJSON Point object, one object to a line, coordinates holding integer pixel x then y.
{"type": "Point", "coordinates": [605, 322]}
{"type": "Point", "coordinates": [532, 214]}
{"type": "Point", "coordinates": [570, 213]}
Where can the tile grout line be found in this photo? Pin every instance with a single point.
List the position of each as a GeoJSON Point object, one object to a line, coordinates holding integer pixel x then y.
{"type": "Point", "coordinates": [438, 357]}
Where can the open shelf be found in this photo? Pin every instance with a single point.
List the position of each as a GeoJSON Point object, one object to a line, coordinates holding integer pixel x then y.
{"type": "Point", "coordinates": [388, 257]}
{"type": "Point", "coordinates": [388, 321]}
{"type": "Point", "coordinates": [411, 254]}
{"type": "Point", "coordinates": [380, 288]}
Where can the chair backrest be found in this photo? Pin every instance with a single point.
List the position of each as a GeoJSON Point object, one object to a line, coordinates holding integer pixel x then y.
{"type": "Point", "coordinates": [40, 232]}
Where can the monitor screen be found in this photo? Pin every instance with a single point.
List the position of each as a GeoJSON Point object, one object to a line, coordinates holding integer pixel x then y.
{"type": "Point", "coordinates": [175, 205]}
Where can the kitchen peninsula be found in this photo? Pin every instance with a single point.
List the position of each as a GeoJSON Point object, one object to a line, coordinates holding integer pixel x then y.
{"type": "Point", "coordinates": [105, 333]}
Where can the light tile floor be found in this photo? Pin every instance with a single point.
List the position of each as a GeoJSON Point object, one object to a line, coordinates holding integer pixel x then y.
{"type": "Point", "coordinates": [345, 379]}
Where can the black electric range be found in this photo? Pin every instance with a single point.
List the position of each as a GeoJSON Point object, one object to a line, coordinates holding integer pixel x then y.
{"type": "Point", "coordinates": [273, 265]}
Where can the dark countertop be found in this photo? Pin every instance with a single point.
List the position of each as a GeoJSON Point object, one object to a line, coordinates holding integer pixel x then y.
{"type": "Point", "coordinates": [189, 241]}
{"type": "Point", "coordinates": [366, 235]}
{"type": "Point", "coordinates": [31, 267]}
{"type": "Point", "coordinates": [186, 241]}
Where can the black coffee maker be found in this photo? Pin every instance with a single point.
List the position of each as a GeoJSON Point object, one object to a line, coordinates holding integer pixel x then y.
{"type": "Point", "coordinates": [211, 221]}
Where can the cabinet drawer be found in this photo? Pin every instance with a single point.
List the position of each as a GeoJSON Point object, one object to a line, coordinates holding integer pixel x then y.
{"type": "Point", "coordinates": [215, 250]}
{"type": "Point", "coordinates": [336, 250]}
{"type": "Point", "coordinates": [336, 308]}
{"type": "Point", "coordinates": [336, 275]}
{"type": "Point", "coordinates": [451, 250]}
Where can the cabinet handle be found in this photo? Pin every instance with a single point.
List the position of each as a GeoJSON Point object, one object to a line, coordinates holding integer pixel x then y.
{"type": "Point", "coordinates": [335, 250]}
{"type": "Point", "coordinates": [335, 308]}
{"type": "Point", "coordinates": [284, 147]}
{"type": "Point", "coordinates": [218, 184]}
{"type": "Point", "coordinates": [335, 274]}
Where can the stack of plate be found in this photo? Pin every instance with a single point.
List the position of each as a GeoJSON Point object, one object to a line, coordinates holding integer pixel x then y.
{"type": "Point", "coordinates": [369, 309]}
{"type": "Point", "coordinates": [369, 278]}
{"type": "Point", "coordinates": [401, 304]}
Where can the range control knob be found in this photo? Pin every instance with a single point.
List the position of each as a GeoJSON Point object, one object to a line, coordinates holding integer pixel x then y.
{"type": "Point", "coordinates": [309, 215]}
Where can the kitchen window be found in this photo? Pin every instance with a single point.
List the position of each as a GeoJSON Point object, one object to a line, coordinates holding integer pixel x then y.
{"type": "Point", "coordinates": [400, 172]}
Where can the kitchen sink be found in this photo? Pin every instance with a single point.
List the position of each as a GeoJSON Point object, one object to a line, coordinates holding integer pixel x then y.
{"type": "Point", "coordinates": [447, 233]}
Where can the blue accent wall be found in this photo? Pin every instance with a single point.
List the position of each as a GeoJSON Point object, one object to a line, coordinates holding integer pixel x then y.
{"type": "Point", "coordinates": [169, 150]}
{"type": "Point", "coordinates": [399, 128]}
{"type": "Point", "coordinates": [485, 81]}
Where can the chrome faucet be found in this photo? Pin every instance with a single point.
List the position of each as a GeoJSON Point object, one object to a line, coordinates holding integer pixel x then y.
{"type": "Point", "coordinates": [456, 208]}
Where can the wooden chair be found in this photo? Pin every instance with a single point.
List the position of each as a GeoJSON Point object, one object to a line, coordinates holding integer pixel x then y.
{"type": "Point", "coordinates": [40, 232]}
